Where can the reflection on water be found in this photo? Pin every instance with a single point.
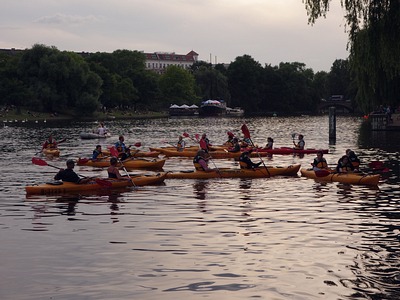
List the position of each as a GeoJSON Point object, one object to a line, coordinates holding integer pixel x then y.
{"type": "Point", "coordinates": [275, 238]}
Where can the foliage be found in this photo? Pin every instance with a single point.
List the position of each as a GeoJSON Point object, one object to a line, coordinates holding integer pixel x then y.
{"type": "Point", "coordinates": [178, 86]}
{"type": "Point", "coordinates": [374, 38]}
{"type": "Point", "coordinates": [44, 78]}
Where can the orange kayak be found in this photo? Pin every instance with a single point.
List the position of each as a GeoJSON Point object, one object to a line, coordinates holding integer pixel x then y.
{"type": "Point", "coordinates": [350, 178]}
{"type": "Point", "coordinates": [128, 163]}
{"type": "Point", "coordinates": [59, 187]}
{"type": "Point", "coordinates": [260, 172]}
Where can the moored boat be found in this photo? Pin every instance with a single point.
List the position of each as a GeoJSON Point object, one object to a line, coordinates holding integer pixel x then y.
{"type": "Point", "coordinates": [260, 172]}
{"type": "Point", "coordinates": [212, 108]}
{"type": "Point", "coordinates": [90, 135]}
{"type": "Point", "coordinates": [136, 163]}
{"type": "Point", "coordinates": [350, 178]}
{"type": "Point", "coordinates": [59, 187]}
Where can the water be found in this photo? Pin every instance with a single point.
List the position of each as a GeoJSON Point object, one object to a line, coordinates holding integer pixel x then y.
{"type": "Point", "coordinates": [276, 238]}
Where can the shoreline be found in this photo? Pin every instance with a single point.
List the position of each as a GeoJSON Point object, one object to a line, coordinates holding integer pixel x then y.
{"type": "Point", "coordinates": [12, 115]}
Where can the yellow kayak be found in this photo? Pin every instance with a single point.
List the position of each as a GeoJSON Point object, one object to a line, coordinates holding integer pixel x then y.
{"type": "Point", "coordinates": [135, 153]}
{"type": "Point", "coordinates": [216, 154]}
{"type": "Point", "coordinates": [59, 187]}
{"type": "Point", "coordinates": [128, 163]}
{"type": "Point", "coordinates": [260, 172]}
{"type": "Point", "coordinates": [51, 151]}
{"type": "Point", "coordinates": [350, 178]}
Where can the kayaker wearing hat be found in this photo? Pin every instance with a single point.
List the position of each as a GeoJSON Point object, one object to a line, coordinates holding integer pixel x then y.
{"type": "Point", "coordinates": [69, 175]}
{"type": "Point", "coordinates": [245, 161]}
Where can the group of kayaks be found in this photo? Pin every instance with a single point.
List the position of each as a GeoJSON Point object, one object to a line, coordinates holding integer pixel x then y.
{"type": "Point", "coordinates": [149, 160]}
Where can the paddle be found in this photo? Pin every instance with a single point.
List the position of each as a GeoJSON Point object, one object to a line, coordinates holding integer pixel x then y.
{"type": "Point", "coordinates": [246, 134]}
{"type": "Point", "coordinates": [166, 142]}
{"type": "Point", "coordinates": [40, 162]}
{"type": "Point", "coordinates": [137, 144]}
{"type": "Point", "coordinates": [185, 134]}
{"type": "Point", "coordinates": [114, 152]}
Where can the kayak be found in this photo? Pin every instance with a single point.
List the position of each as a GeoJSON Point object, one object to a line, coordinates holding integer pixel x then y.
{"type": "Point", "coordinates": [236, 173]}
{"type": "Point", "coordinates": [128, 163]}
{"type": "Point", "coordinates": [90, 135]}
{"type": "Point", "coordinates": [138, 153]}
{"type": "Point", "coordinates": [218, 154]}
{"type": "Point", "coordinates": [350, 178]}
{"type": "Point", "coordinates": [59, 187]}
{"type": "Point", "coordinates": [221, 153]}
{"type": "Point", "coordinates": [52, 152]}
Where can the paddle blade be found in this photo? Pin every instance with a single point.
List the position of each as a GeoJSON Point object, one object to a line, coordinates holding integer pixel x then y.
{"type": "Point", "coordinates": [197, 136]}
{"type": "Point", "coordinates": [38, 161]}
{"type": "Point", "coordinates": [103, 182]}
{"type": "Point", "coordinates": [138, 144]}
{"type": "Point", "coordinates": [83, 160]}
{"type": "Point", "coordinates": [185, 134]}
{"type": "Point", "coordinates": [322, 173]}
{"type": "Point", "coordinates": [203, 144]}
{"type": "Point", "coordinates": [245, 131]}
{"type": "Point", "coordinates": [114, 151]}
{"type": "Point", "coordinates": [376, 164]}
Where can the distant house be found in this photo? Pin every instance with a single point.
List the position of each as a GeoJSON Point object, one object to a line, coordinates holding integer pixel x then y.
{"type": "Point", "coordinates": [159, 61]}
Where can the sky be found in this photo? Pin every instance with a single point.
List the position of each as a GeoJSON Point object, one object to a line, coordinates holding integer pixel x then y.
{"type": "Point", "coordinates": [270, 31]}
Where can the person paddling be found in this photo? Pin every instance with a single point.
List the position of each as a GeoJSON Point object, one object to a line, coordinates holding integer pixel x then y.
{"type": "Point", "coordinates": [319, 162]}
{"type": "Point", "coordinates": [270, 143]}
{"type": "Point", "coordinates": [68, 174]}
{"type": "Point", "coordinates": [97, 153]}
{"type": "Point", "coordinates": [112, 170]}
{"type": "Point", "coordinates": [236, 146]}
{"type": "Point", "coordinates": [205, 143]}
{"type": "Point", "coordinates": [344, 165]}
{"type": "Point", "coordinates": [245, 162]}
{"type": "Point", "coordinates": [200, 161]}
{"type": "Point", "coordinates": [300, 144]}
{"type": "Point", "coordinates": [180, 146]}
{"type": "Point", "coordinates": [51, 143]}
{"type": "Point", "coordinates": [123, 150]}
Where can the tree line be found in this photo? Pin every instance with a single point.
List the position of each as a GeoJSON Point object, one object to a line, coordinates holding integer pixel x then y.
{"type": "Point", "coordinates": [46, 79]}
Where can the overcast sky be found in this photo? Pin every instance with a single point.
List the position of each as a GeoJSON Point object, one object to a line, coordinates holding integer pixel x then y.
{"type": "Point", "coordinates": [270, 31]}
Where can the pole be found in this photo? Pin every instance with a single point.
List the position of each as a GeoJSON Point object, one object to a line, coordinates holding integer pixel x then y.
{"type": "Point", "coordinates": [332, 125]}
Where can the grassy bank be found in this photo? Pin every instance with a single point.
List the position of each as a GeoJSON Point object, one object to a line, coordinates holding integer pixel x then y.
{"type": "Point", "coordinates": [29, 115]}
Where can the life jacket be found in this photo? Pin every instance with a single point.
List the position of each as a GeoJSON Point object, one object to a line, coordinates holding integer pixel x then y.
{"type": "Point", "coordinates": [196, 163]}
{"type": "Point", "coordinates": [320, 164]}
{"type": "Point", "coordinates": [180, 145]}
{"type": "Point", "coordinates": [120, 146]}
{"type": "Point", "coordinates": [355, 162]}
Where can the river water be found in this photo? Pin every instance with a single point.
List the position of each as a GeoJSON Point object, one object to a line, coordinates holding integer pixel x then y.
{"type": "Point", "coordinates": [276, 238]}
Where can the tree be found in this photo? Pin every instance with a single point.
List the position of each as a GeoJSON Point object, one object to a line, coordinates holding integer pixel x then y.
{"type": "Point", "coordinates": [339, 78]}
{"type": "Point", "coordinates": [177, 86]}
{"type": "Point", "coordinates": [59, 80]}
{"type": "Point", "coordinates": [212, 84]}
{"type": "Point", "coordinates": [245, 77]}
{"type": "Point", "coordinates": [374, 39]}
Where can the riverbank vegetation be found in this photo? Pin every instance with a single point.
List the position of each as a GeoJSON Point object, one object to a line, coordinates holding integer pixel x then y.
{"type": "Point", "coordinates": [45, 80]}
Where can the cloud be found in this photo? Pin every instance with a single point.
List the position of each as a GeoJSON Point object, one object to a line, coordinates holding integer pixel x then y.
{"type": "Point", "coordinates": [67, 19]}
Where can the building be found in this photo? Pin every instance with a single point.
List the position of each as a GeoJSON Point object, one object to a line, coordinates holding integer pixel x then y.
{"type": "Point", "coordinates": [159, 61]}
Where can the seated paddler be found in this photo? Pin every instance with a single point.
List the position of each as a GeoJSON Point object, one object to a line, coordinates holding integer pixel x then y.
{"type": "Point", "coordinates": [112, 170]}
{"type": "Point", "coordinates": [200, 161]}
{"type": "Point", "coordinates": [245, 162]}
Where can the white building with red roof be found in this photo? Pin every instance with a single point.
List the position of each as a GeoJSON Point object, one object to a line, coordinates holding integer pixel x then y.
{"type": "Point", "coordinates": [159, 61]}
